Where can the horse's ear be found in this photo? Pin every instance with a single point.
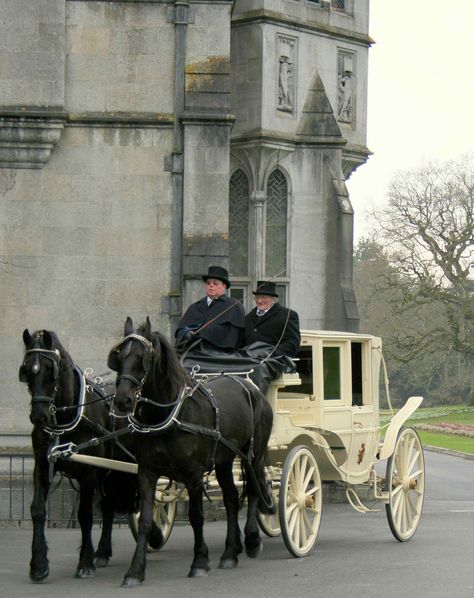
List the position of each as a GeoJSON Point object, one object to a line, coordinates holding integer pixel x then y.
{"type": "Point", "coordinates": [26, 337]}
{"type": "Point", "coordinates": [113, 360]}
{"type": "Point", "coordinates": [148, 327]}
{"type": "Point", "coordinates": [48, 340]}
{"type": "Point", "coordinates": [128, 329]}
{"type": "Point", "coordinates": [22, 374]}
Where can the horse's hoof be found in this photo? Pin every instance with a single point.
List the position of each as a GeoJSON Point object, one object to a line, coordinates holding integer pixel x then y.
{"type": "Point", "coordinates": [228, 564]}
{"type": "Point", "coordinates": [85, 573]}
{"type": "Point", "coordinates": [253, 551]}
{"type": "Point", "coordinates": [194, 572]}
{"type": "Point", "coordinates": [131, 582]}
{"type": "Point", "coordinates": [101, 561]}
{"type": "Point", "coordinates": [39, 576]}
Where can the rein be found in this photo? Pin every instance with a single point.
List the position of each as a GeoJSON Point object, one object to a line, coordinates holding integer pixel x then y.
{"type": "Point", "coordinates": [58, 429]}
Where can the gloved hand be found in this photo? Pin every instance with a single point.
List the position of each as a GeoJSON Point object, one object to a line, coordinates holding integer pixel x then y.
{"type": "Point", "coordinates": [190, 335]}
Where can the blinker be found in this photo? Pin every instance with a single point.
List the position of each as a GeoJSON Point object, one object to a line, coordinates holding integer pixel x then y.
{"type": "Point", "coordinates": [36, 364]}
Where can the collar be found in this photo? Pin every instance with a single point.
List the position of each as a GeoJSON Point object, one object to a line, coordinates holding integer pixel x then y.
{"type": "Point", "coordinates": [208, 300]}
{"type": "Point", "coordinates": [264, 312]}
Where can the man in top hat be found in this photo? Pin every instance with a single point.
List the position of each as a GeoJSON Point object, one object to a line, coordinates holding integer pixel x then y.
{"type": "Point", "coordinates": [217, 319]}
{"type": "Point", "coordinates": [272, 323]}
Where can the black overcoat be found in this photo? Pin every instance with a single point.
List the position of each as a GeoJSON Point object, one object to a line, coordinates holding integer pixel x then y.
{"type": "Point", "coordinates": [225, 332]}
{"type": "Point", "coordinates": [269, 328]}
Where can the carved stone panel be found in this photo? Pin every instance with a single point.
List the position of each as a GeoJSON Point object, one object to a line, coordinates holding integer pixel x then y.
{"type": "Point", "coordinates": [346, 86]}
{"type": "Point", "coordinates": [286, 68]}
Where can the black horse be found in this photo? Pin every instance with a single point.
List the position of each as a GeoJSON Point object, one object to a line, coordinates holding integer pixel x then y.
{"type": "Point", "coordinates": [184, 429]}
{"type": "Point", "coordinates": [65, 407]}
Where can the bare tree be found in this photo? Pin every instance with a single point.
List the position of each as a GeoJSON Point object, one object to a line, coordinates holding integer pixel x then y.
{"type": "Point", "coordinates": [427, 230]}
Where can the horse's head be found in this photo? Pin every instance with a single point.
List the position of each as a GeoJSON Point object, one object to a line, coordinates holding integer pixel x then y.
{"type": "Point", "coordinates": [144, 358]}
{"type": "Point", "coordinates": [40, 370]}
{"type": "Point", "coordinates": [133, 359]}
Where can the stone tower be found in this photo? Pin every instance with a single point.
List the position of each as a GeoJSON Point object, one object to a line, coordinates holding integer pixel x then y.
{"type": "Point", "coordinates": [299, 83]}
{"type": "Point", "coordinates": [141, 141]}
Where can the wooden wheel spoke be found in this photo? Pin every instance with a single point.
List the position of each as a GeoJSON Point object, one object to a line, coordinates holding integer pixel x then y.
{"type": "Point", "coordinates": [303, 528]}
{"type": "Point", "coordinates": [413, 461]}
{"type": "Point", "coordinates": [308, 477]}
{"type": "Point", "coordinates": [291, 509]}
{"type": "Point", "coordinates": [312, 490]}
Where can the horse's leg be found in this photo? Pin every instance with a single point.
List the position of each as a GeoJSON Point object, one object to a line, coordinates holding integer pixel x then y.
{"type": "Point", "coordinates": [87, 485]}
{"type": "Point", "coordinates": [146, 488]}
{"type": "Point", "coordinates": [39, 565]}
{"type": "Point", "coordinates": [104, 549]}
{"type": "Point", "coordinates": [253, 542]}
{"type": "Point", "coordinates": [200, 564]}
{"type": "Point", "coordinates": [233, 542]}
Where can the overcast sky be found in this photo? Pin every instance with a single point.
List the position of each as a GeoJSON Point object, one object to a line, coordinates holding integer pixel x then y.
{"type": "Point", "coordinates": [421, 93]}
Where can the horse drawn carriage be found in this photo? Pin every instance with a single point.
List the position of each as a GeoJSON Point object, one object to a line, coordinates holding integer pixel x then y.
{"type": "Point", "coordinates": [326, 430]}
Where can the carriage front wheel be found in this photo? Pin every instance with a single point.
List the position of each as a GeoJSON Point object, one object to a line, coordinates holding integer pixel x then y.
{"type": "Point", "coordinates": [164, 511]}
{"type": "Point", "coordinates": [300, 501]}
{"type": "Point", "coordinates": [405, 483]}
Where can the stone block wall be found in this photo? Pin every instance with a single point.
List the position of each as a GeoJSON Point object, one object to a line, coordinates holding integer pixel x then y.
{"type": "Point", "coordinates": [88, 122]}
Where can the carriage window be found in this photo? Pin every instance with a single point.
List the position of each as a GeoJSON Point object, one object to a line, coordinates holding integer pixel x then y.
{"type": "Point", "coordinates": [304, 366]}
{"type": "Point", "coordinates": [332, 373]}
{"type": "Point", "coordinates": [356, 367]}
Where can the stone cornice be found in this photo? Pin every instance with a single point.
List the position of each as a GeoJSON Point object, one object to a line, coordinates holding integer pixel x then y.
{"type": "Point", "coordinates": [292, 22]}
{"type": "Point", "coordinates": [211, 117]}
{"type": "Point", "coordinates": [120, 119]}
{"type": "Point", "coordinates": [290, 139]}
{"type": "Point", "coordinates": [28, 142]}
{"type": "Point", "coordinates": [354, 156]}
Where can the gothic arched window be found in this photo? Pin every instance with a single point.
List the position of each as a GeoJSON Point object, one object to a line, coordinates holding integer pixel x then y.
{"type": "Point", "coordinates": [238, 223]}
{"type": "Point", "coordinates": [276, 225]}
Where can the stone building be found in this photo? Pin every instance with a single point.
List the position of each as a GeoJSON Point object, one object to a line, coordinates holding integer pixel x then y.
{"type": "Point", "coordinates": [141, 141]}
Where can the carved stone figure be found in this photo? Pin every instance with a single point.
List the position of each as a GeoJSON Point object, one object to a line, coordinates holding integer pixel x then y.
{"type": "Point", "coordinates": [344, 109]}
{"type": "Point", "coordinates": [285, 101]}
{"type": "Point", "coordinates": [286, 67]}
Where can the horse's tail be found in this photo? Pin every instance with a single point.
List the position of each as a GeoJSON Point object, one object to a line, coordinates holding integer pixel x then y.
{"type": "Point", "coordinates": [255, 482]}
{"type": "Point", "coordinates": [243, 494]}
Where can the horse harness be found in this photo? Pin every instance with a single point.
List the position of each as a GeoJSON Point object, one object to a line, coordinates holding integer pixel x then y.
{"type": "Point", "coordinates": [86, 386]}
{"type": "Point", "coordinates": [172, 420]}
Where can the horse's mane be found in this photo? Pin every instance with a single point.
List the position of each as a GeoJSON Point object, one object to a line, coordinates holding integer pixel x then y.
{"type": "Point", "coordinates": [38, 339]}
{"type": "Point", "coordinates": [173, 376]}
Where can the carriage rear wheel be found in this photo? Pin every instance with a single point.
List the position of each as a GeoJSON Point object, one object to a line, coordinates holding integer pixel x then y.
{"type": "Point", "coordinates": [300, 502]}
{"type": "Point", "coordinates": [164, 511]}
{"type": "Point", "coordinates": [405, 483]}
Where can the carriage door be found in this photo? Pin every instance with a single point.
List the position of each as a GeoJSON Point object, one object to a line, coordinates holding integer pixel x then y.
{"type": "Point", "coordinates": [348, 409]}
{"type": "Point", "coordinates": [365, 433]}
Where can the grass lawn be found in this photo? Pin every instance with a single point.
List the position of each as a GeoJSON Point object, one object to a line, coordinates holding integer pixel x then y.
{"type": "Point", "coordinates": [460, 415]}
{"type": "Point", "coordinates": [447, 441]}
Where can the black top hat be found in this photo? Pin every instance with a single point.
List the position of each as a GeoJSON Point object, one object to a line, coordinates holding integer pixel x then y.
{"type": "Point", "coordinates": [218, 273]}
{"type": "Point", "coordinates": [266, 288]}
